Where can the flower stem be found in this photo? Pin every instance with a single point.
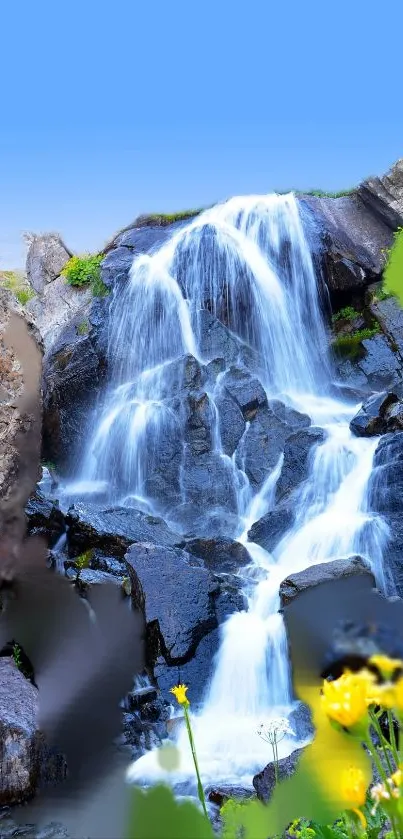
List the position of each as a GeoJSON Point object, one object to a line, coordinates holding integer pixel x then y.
{"type": "Point", "coordinates": [391, 723]}
{"type": "Point", "coordinates": [385, 745]}
{"type": "Point", "coordinates": [200, 789]}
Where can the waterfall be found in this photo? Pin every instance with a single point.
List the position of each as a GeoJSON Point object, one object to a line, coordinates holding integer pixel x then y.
{"type": "Point", "coordinates": [247, 263]}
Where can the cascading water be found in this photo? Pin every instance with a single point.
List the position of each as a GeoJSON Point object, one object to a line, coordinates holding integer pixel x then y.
{"type": "Point", "coordinates": [248, 264]}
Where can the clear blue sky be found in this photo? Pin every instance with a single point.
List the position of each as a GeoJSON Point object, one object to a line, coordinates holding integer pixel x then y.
{"type": "Point", "coordinates": [109, 110]}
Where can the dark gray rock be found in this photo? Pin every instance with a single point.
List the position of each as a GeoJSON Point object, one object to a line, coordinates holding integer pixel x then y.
{"type": "Point", "coordinates": [26, 764]}
{"type": "Point", "coordinates": [176, 596]}
{"type": "Point", "coordinates": [216, 341]}
{"type": "Point", "coordinates": [324, 572]}
{"type": "Point", "coordinates": [74, 372]}
{"type": "Point", "coordinates": [88, 578]}
{"type": "Point", "coordinates": [219, 555]}
{"type": "Point", "coordinates": [145, 238]}
{"type": "Point", "coordinates": [265, 439]}
{"type": "Point", "coordinates": [297, 453]}
{"type": "Point", "coordinates": [384, 195]}
{"type": "Point", "coordinates": [264, 783]}
{"type": "Point", "coordinates": [207, 482]}
{"type": "Point", "coordinates": [45, 518]}
{"type": "Point", "coordinates": [271, 528]}
{"type": "Point", "coordinates": [381, 365]}
{"type": "Point", "coordinates": [373, 416]}
{"type": "Point", "coordinates": [115, 529]}
{"type": "Point", "coordinates": [116, 266]}
{"type": "Point", "coordinates": [386, 482]}
{"type": "Point", "coordinates": [246, 391]}
{"type": "Point", "coordinates": [219, 794]}
{"type": "Point", "coordinates": [195, 673]}
{"type": "Point", "coordinates": [231, 423]}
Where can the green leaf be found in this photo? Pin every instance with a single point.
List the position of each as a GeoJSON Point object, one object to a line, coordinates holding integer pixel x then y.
{"type": "Point", "coordinates": [393, 273]}
{"type": "Point", "coordinates": [155, 814]}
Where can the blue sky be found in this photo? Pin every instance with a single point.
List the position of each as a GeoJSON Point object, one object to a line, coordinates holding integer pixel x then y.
{"type": "Point", "coordinates": [109, 110]}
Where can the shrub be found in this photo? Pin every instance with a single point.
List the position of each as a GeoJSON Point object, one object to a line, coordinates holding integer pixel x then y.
{"type": "Point", "coordinates": [86, 270]}
{"type": "Point", "coordinates": [348, 313]}
{"type": "Point", "coordinates": [83, 327]}
{"type": "Point", "coordinates": [16, 282]}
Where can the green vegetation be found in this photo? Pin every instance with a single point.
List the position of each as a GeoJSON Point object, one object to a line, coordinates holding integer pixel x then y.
{"type": "Point", "coordinates": [163, 219]}
{"type": "Point", "coordinates": [16, 282]}
{"type": "Point", "coordinates": [350, 345]}
{"type": "Point", "coordinates": [17, 656]}
{"type": "Point", "coordinates": [83, 328]}
{"type": "Point", "coordinates": [86, 270]}
{"type": "Point", "coordinates": [348, 313]}
{"type": "Point", "coordinates": [82, 561]}
{"type": "Point", "coordinates": [393, 271]}
{"type": "Point", "coordinates": [319, 193]}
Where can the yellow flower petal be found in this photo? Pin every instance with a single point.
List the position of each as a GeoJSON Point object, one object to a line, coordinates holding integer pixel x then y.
{"type": "Point", "coordinates": [345, 699]}
{"type": "Point", "coordinates": [387, 666]}
{"type": "Point", "coordinates": [179, 693]}
{"type": "Point", "coordinates": [360, 816]}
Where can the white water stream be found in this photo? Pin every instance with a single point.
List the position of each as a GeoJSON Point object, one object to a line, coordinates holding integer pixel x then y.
{"type": "Point", "coordinates": [248, 261]}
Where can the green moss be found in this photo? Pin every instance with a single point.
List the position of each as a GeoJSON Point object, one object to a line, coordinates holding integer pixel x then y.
{"type": "Point", "coordinates": [83, 328]}
{"type": "Point", "coordinates": [350, 346]}
{"type": "Point", "coordinates": [348, 313]}
{"type": "Point", "coordinates": [86, 271]}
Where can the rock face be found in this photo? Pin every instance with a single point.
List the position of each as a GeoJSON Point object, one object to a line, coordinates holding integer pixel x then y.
{"type": "Point", "coordinates": [379, 414]}
{"type": "Point", "coordinates": [115, 529]}
{"type": "Point", "coordinates": [384, 195]}
{"type": "Point", "coordinates": [25, 762]}
{"type": "Point", "coordinates": [322, 573]}
{"type": "Point", "coordinates": [180, 601]}
{"type": "Point", "coordinates": [270, 529]}
{"type": "Point", "coordinates": [56, 306]}
{"type": "Point", "coordinates": [46, 257]}
{"type": "Point", "coordinates": [265, 781]}
{"type": "Point", "coordinates": [385, 498]}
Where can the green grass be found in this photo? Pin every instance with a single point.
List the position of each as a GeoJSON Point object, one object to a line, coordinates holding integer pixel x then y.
{"type": "Point", "coordinates": [164, 219]}
{"type": "Point", "coordinates": [348, 313]}
{"type": "Point", "coordinates": [317, 193]}
{"type": "Point", "coordinates": [16, 282]}
{"type": "Point", "coordinates": [349, 346]}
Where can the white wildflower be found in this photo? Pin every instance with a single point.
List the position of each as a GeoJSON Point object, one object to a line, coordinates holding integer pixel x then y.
{"type": "Point", "coordinates": [275, 730]}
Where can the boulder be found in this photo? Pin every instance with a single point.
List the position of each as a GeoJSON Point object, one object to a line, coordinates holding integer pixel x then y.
{"type": "Point", "coordinates": [264, 782]}
{"type": "Point", "coordinates": [45, 518]}
{"type": "Point", "coordinates": [373, 416]}
{"type": "Point", "coordinates": [58, 304]}
{"type": "Point", "coordinates": [217, 341]}
{"type": "Point", "coordinates": [207, 482]}
{"type": "Point", "coordinates": [297, 453]}
{"type": "Point", "coordinates": [176, 595]}
{"type": "Point", "coordinates": [246, 391]}
{"type": "Point", "coordinates": [324, 572]}
{"type": "Point", "coordinates": [231, 423]}
{"type": "Point", "coordinates": [270, 529]}
{"type": "Point", "coordinates": [195, 673]}
{"type": "Point", "coordinates": [385, 489]}
{"type": "Point", "coordinates": [221, 556]}
{"type": "Point", "coordinates": [25, 762]}
{"type": "Point", "coordinates": [47, 255]}
{"type": "Point", "coordinates": [74, 372]}
{"type": "Point", "coordinates": [389, 315]}
{"type": "Point", "coordinates": [384, 195]}
{"type": "Point", "coordinates": [115, 529]}
{"type": "Point", "coordinates": [116, 266]}
{"type": "Point", "coordinates": [265, 440]}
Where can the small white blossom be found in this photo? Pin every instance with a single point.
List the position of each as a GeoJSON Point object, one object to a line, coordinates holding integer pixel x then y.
{"type": "Point", "coordinates": [275, 730]}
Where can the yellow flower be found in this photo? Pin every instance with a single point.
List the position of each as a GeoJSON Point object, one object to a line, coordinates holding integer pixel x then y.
{"type": "Point", "coordinates": [398, 695]}
{"type": "Point", "coordinates": [345, 699]}
{"type": "Point", "coordinates": [383, 695]}
{"type": "Point", "coordinates": [386, 666]}
{"type": "Point", "coordinates": [179, 693]}
{"type": "Point", "coordinates": [353, 789]}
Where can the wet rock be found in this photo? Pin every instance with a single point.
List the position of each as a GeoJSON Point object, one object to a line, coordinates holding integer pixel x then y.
{"type": "Point", "coordinates": [373, 416]}
{"type": "Point", "coordinates": [73, 373]}
{"type": "Point", "coordinates": [101, 562]}
{"type": "Point", "coordinates": [297, 453]}
{"type": "Point", "coordinates": [207, 481]}
{"type": "Point", "coordinates": [271, 528]}
{"type": "Point", "coordinates": [220, 794]}
{"type": "Point", "coordinates": [324, 572]}
{"type": "Point", "coordinates": [196, 673]}
{"type": "Point", "coordinates": [47, 255]}
{"type": "Point", "coordinates": [25, 762]}
{"type": "Point", "coordinates": [89, 578]}
{"type": "Point", "coordinates": [381, 365]}
{"type": "Point", "coordinates": [219, 555]}
{"type": "Point", "coordinates": [246, 391]}
{"type": "Point", "coordinates": [231, 423]}
{"type": "Point", "coordinates": [176, 596]}
{"type": "Point", "coordinates": [216, 341]}
{"type": "Point", "coordinates": [264, 783]}
{"type": "Point", "coordinates": [116, 266]}
{"type": "Point", "coordinates": [386, 482]}
{"type": "Point", "coordinates": [300, 720]}
{"type": "Point", "coordinates": [390, 316]}
{"type": "Point", "coordinates": [264, 441]}
{"type": "Point", "coordinates": [45, 518]}
{"type": "Point", "coordinates": [115, 529]}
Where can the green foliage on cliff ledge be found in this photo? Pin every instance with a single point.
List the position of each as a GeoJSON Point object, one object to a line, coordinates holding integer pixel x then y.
{"type": "Point", "coordinates": [86, 270]}
{"type": "Point", "coordinates": [393, 272]}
